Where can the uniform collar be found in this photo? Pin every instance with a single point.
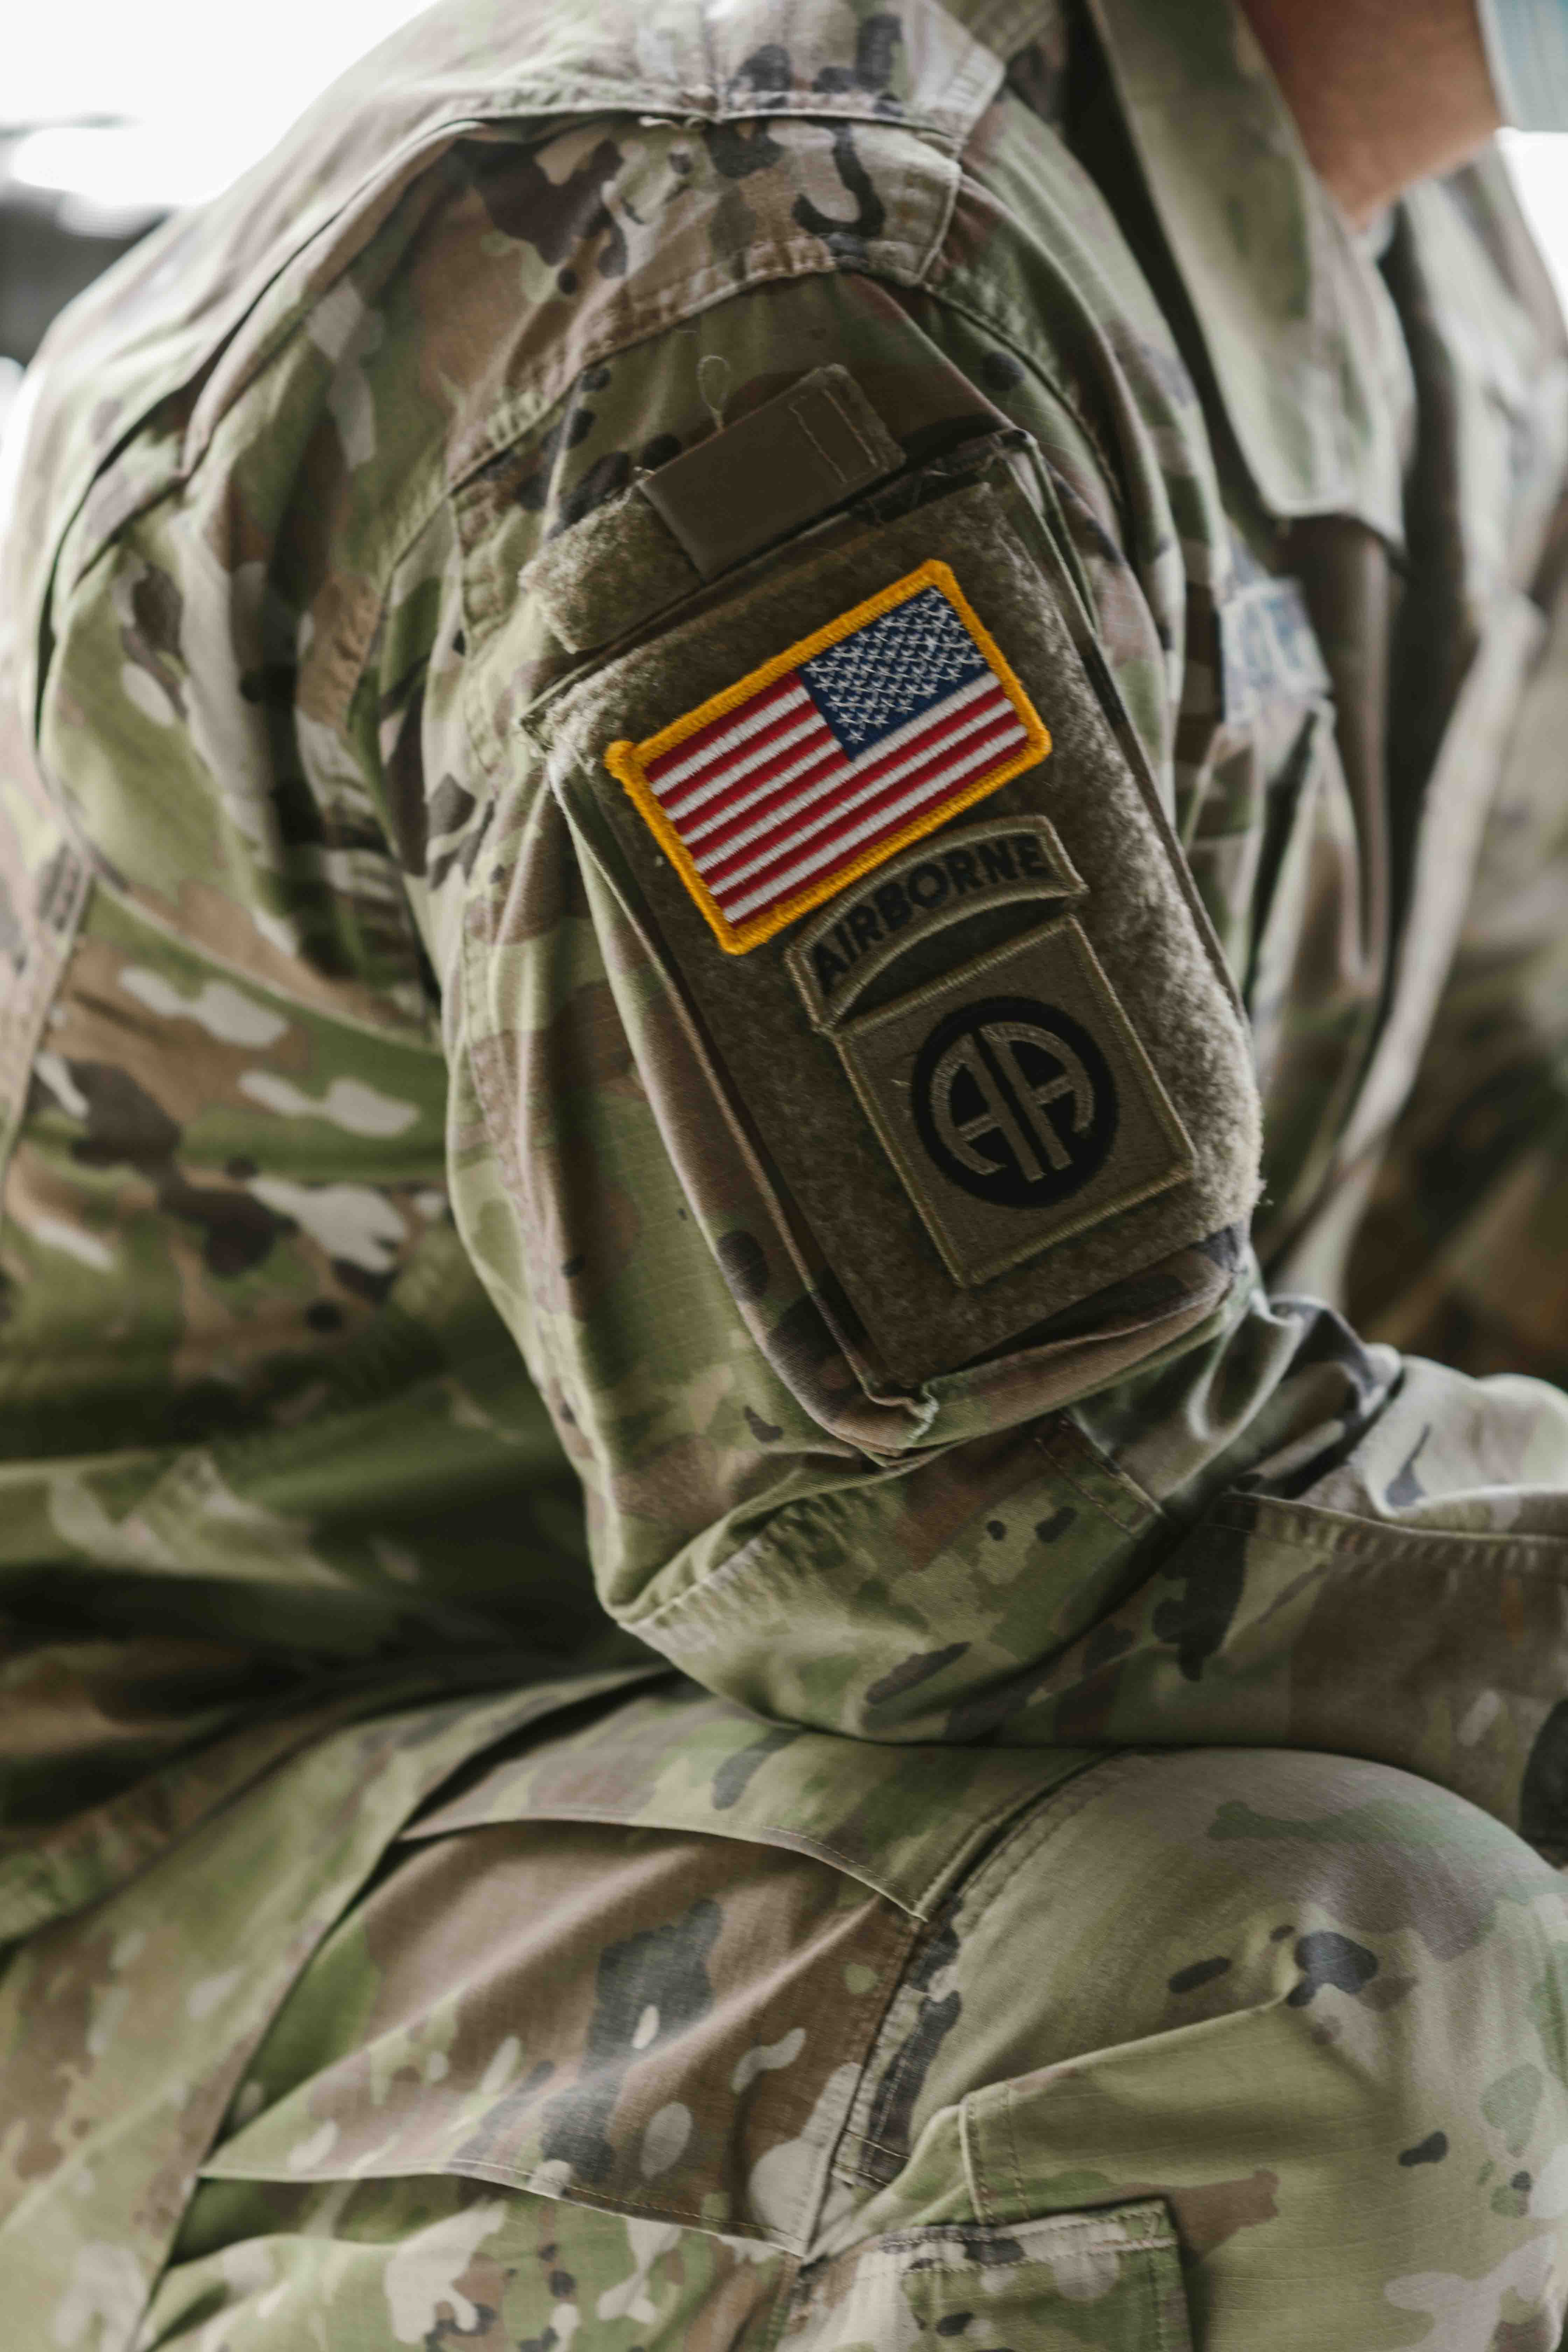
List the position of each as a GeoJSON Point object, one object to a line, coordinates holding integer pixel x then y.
{"type": "Point", "coordinates": [1300, 332]}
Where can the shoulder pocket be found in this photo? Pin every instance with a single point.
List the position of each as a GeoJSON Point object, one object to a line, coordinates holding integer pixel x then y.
{"type": "Point", "coordinates": [877, 833]}
{"type": "Point", "coordinates": [1111, 2281]}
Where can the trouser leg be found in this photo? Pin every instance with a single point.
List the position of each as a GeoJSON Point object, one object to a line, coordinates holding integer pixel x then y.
{"type": "Point", "coordinates": [1317, 2008]}
{"type": "Point", "coordinates": [547, 2081]}
{"type": "Point", "coordinates": [1264, 2046]}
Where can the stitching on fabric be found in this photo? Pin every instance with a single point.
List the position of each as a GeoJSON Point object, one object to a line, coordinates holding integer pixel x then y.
{"type": "Point", "coordinates": [955, 2248]}
{"type": "Point", "coordinates": [882, 2147]}
{"type": "Point", "coordinates": [1017, 1802]}
{"type": "Point", "coordinates": [1010, 2131]}
{"type": "Point", "coordinates": [998, 323]}
{"type": "Point", "coordinates": [797, 410]}
{"type": "Point", "coordinates": [1308, 1528]}
{"type": "Point", "coordinates": [944, 221]}
{"type": "Point", "coordinates": [710, 1587]}
{"type": "Point", "coordinates": [973, 2170]}
{"type": "Point", "coordinates": [1055, 1809]}
{"type": "Point", "coordinates": [776, 2319]}
{"type": "Point", "coordinates": [1166, 2243]}
{"type": "Point", "coordinates": [888, 2066]}
{"type": "Point", "coordinates": [907, 1932]}
{"type": "Point", "coordinates": [864, 2173]}
{"type": "Point", "coordinates": [963, 94]}
{"type": "Point", "coordinates": [813, 2193]}
{"type": "Point", "coordinates": [899, 1960]}
{"type": "Point", "coordinates": [1155, 2300]}
{"type": "Point", "coordinates": [1054, 1445]}
{"type": "Point", "coordinates": [891, 2249]}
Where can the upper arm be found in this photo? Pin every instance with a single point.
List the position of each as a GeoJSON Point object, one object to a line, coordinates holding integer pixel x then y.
{"type": "Point", "coordinates": [720, 1170]}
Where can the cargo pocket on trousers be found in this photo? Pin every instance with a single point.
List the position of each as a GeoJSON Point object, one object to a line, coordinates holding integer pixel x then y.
{"type": "Point", "coordinates": [1111, 2281]}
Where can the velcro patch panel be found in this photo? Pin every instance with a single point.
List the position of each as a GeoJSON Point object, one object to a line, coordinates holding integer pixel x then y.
{"type": "Point", "coordinates": [883, 833]}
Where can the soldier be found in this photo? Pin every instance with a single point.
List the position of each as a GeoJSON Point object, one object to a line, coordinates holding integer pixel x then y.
{"type": "Point", "coordinates": [712, 1636]}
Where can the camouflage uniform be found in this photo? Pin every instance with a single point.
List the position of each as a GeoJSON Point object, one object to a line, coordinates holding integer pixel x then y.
{"type": "Point", "coordinates": [613, 1728]}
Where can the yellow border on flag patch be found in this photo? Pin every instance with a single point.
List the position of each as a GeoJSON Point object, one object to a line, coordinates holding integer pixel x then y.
{"type": "Point", "coordinates": [627, 762]}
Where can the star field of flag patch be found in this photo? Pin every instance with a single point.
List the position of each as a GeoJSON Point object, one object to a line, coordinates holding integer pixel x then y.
{"type": "Point", "coordinates": [808, 772]}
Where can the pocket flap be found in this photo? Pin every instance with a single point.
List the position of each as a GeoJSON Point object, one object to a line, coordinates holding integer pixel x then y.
{"type": "Point", "coordinates": [1110, 2280]}
{"type": "Point", "coordinates": [903, 1820]}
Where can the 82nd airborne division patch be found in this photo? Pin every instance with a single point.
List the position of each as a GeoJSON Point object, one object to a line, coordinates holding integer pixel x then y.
{"type": "Point", "coordinates": [833, 757]}
{"type": "Point", "coordinates": [988, 1050]}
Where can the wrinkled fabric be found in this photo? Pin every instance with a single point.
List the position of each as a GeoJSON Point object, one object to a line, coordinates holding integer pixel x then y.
{"type": "Point", "coordinates": [400, 1321]}
{"type": "Point", "coordinates": [1167, 2065]}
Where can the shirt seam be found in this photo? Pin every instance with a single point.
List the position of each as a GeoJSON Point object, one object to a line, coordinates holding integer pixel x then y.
{"type": "Point", "coordinates": [1053, 1444]}
{"type": "Point", "coordinates": [1318, 1529]}
{"type": "Point", "coordinates": [1038, 1818]}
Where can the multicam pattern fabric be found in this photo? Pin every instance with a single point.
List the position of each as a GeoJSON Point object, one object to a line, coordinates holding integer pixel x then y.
{"type": "Point", "coordinates": [405, 1347]}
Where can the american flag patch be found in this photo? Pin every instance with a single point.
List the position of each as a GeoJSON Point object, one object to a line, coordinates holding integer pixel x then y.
{"type": "Point", "coordinates": [833, 756]}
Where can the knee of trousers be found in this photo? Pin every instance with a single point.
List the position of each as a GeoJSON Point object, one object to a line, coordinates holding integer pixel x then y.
{"type": "Point", "coordinates": [1249, 1981]}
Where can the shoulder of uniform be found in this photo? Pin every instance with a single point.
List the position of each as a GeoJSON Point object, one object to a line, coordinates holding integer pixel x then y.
{"type": "Point", "coordinates": [747, 86]}
{"type": "Point", "coordinates": [522, 228]}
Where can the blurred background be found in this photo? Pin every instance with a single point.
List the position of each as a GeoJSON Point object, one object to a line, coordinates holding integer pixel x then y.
{"type": "Point", "coordinates": [114, 112]}
{"type": "Point", "coordinates": [112, 115]}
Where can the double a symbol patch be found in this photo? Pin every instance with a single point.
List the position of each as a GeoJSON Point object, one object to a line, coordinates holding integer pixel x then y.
{"type": "Point", "coordinates": [1014, 1102]}
{"type": "Point", "coordinates": [1012, 1095]}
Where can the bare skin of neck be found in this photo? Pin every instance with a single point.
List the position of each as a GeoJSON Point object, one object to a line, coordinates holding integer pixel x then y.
{"type": "Point", "coordinates": [1384, 93]}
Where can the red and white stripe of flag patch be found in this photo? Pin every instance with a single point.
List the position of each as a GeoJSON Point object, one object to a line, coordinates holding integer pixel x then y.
{"type": "Point", "coordinates": [766, 812]}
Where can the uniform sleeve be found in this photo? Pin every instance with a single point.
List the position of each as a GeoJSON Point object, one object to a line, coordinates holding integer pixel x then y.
{"type": "Point", "coordinates": [1460, 1257]}
{"type": "Point", "coordinates": [882, 1248]}
{"type": "Point", "coordinates": [268, 1459]}
{"type": "Point", "coordinates": [433, 1105]}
